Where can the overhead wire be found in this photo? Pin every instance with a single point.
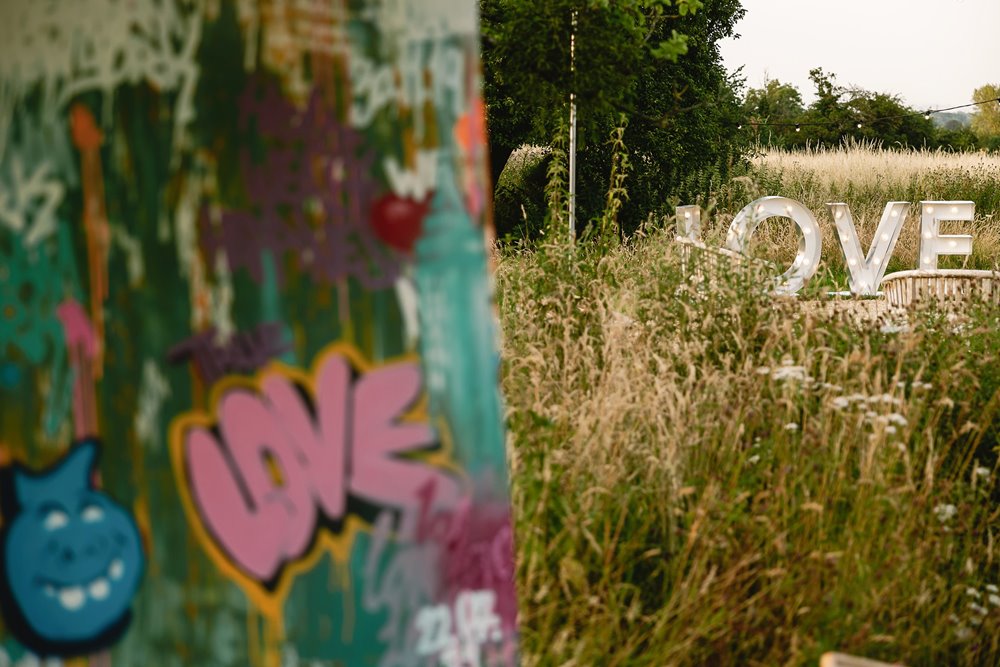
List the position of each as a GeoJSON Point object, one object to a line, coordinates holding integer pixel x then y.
{"type": "Point", "coordinates": [861, 121]}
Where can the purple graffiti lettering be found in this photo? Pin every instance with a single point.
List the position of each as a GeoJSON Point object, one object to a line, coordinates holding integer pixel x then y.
{"type": "Point", "coordinates": [310, 196]}
{"type": "Point", "coordinates": [245, 352]}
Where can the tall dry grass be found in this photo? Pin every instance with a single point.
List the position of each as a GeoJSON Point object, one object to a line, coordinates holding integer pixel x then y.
{"type": "Point", "coordinates": [712, 477]}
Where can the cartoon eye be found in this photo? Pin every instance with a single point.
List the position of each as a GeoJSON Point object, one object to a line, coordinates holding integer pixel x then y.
{"type": "Point", "coordinates": [55, 519]}
{"type": "Point", "coordinates": [92, 513]}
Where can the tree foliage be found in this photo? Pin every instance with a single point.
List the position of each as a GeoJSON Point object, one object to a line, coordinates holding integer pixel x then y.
{"type": "Point", "coordinates": [839, 114]}
{"type": "Point", "coordinates": [986, 121]}
{"type": "Point", "coordinates": [655, 61]}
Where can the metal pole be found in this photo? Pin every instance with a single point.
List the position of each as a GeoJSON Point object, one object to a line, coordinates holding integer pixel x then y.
{"type": "Point", "coordinates": [572, 133]}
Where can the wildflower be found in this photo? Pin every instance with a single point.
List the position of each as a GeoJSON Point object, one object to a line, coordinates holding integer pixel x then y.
{"type": "Point", "coordinates": [797, 373]}
{"type": "Point", "coordinates": [979, 609]}
{"type": "Point", "coordinates": [791, 426]}
{"type": "Point", "coordinates": [994, 599]}
{"type": "Point", "coordinates": [893, 328]}
{"type": "Point", "coordinates": [891, 430]}
{"type": "Point", "coordinates": [840, 402]}
{"type": "Point", "coordinates": [897, 419]}
{"type": "Point", "coordinates": [992, 588]}
{"type": "Point", "coordinates": [945, 512]}
{"type": "Point", "coordinates": [764, 370]}
{"type": "Point", "coordinates": [753, 460]}
{"type": "Point", "coordinates": [980, 471]}
{"type": "Point", "coordinates": [972, 592]}
{"type": "Point", "coordinates": [963, 632]}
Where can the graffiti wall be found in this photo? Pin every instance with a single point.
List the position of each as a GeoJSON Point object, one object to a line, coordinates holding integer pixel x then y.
{"type": "Point", "coordinates": [248, 374]}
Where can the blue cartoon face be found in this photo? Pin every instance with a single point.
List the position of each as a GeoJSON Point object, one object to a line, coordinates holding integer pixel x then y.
{"type": "Point", "coordinates": [72, 558]}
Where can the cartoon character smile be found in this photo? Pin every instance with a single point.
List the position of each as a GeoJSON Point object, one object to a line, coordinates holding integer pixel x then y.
{"type": "Point", "coordinates": [70, 558]}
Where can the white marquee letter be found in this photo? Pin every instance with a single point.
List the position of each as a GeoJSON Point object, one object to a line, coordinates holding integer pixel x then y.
{"type": "Point", "coordinates": [933, 244]}
{"type": "Point", "coordinates": [866, 272]}
{"type": "Point", "coordinates": [806, 261]}
{"type": "Point", "coordinates": [689, 222]}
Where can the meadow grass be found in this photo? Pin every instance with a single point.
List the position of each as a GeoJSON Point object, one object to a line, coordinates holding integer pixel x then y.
{"type": "Point", "coordinates": [710, 476]}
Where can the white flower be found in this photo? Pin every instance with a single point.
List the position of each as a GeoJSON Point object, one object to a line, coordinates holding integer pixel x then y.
{"type": "Point", "coordinates": [979, 609]}
{"type": "Point", "coordinates": [764, 370]}
{"type": "Point", "coordinates": [980, 471]}
{"type": "Point", "coordinates": [994, 599]}
{"type": "Point", "coordinates": [840, 402]}
{"type": "Point", "coordinates": [892, 328]}
{"type": "Point", "coordinates": [963, 632]}
{"type": "Point", "coordinates": [897, 419]}
{"type": "Point", "coordinates": [945, 512]}
{"type": "Point", "coordinates": [972, 592]}
{"type": "Point", "coordinates": [791, 426]}
{"type": "Point", "coordinates": [797, 373]}
{"type": "Point", "coordinates": [901, 384]}
{"type": "Point", "coordinates": [992, 588]}
{"type": "Point", "coordinates": [753, 460]}
{"type": "Point", "coordinates": [890, 430]}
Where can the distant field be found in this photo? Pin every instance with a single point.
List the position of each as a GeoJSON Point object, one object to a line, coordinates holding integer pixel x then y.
{"type": "Point", "coordinates": [713, 477]}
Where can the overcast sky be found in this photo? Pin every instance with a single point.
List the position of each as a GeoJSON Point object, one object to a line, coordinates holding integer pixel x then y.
{"type": "Point", "coordinates": [932, 53]}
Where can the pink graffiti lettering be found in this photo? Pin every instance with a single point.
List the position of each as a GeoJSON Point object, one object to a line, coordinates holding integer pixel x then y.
{"type": "Point", "coordinates": [282, 460]}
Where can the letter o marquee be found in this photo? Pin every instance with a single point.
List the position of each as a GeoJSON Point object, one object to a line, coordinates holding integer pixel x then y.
{"type": "Point", "coordinates": [810, 242]}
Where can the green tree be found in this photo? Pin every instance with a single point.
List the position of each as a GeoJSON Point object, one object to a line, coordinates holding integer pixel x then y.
{"type": "Point", "coordinates": [530, 71]}
{"type": "Point", "coordinates": [986, 120]}
{"type": "Point", "coordinates": [773, 110]}
{"type": "Point", "coordinates": [656, 61]}
{"type": "Point", "coordinates": [840, 113]}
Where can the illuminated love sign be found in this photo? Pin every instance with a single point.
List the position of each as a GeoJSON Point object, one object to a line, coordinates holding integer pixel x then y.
{"type": "Point", "coordinates": [865, 271]}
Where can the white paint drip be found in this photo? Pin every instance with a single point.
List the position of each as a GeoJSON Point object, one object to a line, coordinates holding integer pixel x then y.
{"type": "Point", "coordinates": [409, 307]}
{"type": "Point", "coordinates": [222, 301]}
{"type": "Point", "coordinates": [185, 224]}
{"type": "Point", "coordinates": [134, 262]}
{"type": "Point", "coordinates": [153, 392]}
